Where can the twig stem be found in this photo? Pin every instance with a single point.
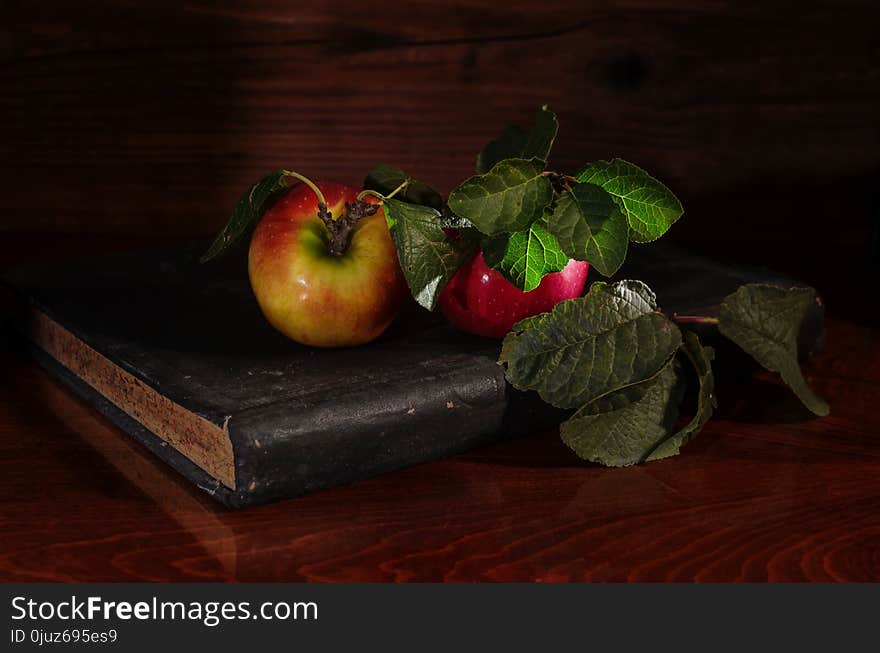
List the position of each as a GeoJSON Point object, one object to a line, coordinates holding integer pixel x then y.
{"type": "Point", "coordinates": [308, 182]}
{"type": "Point", "coordinates": [694, 319]}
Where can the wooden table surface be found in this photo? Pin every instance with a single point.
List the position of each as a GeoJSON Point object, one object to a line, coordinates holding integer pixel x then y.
{"type": "Point", "coordinates": [764, 493]}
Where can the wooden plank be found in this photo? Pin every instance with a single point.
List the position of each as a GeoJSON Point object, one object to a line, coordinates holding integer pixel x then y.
{"type": "Point", "coordinates": [764, 493]}
{"type": "Point", "coordinates": [136, 118]}
{"type": "Point", "coordinates": [758, 496]}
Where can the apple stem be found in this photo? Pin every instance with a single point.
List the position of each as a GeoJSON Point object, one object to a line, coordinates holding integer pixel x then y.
{"type": "Point", "coordinates": [340, 229]}
{"type": "Point", "coordinates": [322, 202]}
{"type": "Point", "coordinates": [379, 195]}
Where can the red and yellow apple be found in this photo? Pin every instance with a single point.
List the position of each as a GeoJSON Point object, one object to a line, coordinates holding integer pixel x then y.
{"type": "Point", "coordinates": [480, 300]}
{"type": "Point", "coordinates": [312, 295]}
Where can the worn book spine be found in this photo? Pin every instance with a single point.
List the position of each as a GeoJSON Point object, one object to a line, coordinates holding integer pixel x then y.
{"type": "Point", "coordinates": [287, 449]}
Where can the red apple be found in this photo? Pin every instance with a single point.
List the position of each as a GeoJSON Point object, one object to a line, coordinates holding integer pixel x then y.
{"type": "Point", "coordinates": [480, 300]}
{"type": "Point", "coordinates": [312, 295]}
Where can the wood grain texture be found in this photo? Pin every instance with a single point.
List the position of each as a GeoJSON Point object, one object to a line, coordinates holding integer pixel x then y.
{"type": "Point", "coordinates": [124, 117]}
{"type": "Point", "coordinates": [764, 493]}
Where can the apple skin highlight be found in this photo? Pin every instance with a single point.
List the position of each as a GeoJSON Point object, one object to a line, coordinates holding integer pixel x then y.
{"type": "Point", "coordinates": [312, 296]}
{"type": "Point", "coordinates": [481, 301]}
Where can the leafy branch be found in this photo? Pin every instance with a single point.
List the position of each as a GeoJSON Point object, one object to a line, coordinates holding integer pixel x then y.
{"type": "Point", "coordinates": [591, 216]}
{"type": "Point", "coordinates": [616, 359]}
{"type": "Point", "coordinates": [611, 355]}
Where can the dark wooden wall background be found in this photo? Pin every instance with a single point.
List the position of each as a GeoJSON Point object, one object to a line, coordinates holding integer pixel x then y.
{"type": "Point", "coordinates": [151, 117]}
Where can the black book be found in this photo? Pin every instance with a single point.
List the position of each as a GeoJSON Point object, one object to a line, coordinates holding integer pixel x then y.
{"type": "Point", "coordinates": [178, 355]}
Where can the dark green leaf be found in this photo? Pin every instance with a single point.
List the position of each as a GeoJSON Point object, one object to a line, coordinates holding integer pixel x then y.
{"type": "Point", "coordinates": [385, 179]}
{"type": "Point", "coordinates": [247, 213]}
{"type": "Point", "coordinates": [524, 257]}
{"type": "Point", "coordinates": [592, 346]}
{"type": "Point", "coordinates": [650, 207]}
{"type": "Point", "coordinates": [590, 227]}
{"type": "Point", "coordinates": [765, 321]}
{"type": "Point", "coordinates": [427, 257]}
{"type": "Point", "coordinates": [622, 428]}
{"type": "Point", "coordinates": [634, 424]}
{"type": "Point", "coordinates": [509, 145]}
{"type": "Point", "coordinates": [514, 143]}
{"type": "Point", "coordinates": [701, 359]}
{"type": "Point", "coordinates": [541, 136]}
{"type": "Point", "coordinates": [510, 197]}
